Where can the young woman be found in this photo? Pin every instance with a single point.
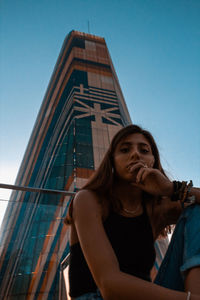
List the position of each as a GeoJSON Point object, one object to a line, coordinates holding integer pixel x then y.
{"type": "Point", "coordinates": [116, 218]}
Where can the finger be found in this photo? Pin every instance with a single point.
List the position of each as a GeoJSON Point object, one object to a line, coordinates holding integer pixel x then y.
{"type": "Point", "coordinates": [140, 174]}
{"type": "Point", "coordinates": [136, 166]}
{"type": "Point", "coordinates": [145, 174]}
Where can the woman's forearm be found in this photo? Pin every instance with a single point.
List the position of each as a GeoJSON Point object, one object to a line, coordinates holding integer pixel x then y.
{"type": "Point", "coordinates": [123, 286]}
{"type": "Point", "coordinates": [192, 281]}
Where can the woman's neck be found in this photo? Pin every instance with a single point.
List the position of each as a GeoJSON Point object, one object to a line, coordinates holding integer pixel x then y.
{"type": "Point", "coordinates": [128, 194]}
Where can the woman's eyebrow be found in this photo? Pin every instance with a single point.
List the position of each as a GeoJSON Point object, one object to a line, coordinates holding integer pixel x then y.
{"type": "Point", "coordinates": [144, 144]}
{"type": "Point", "coordinates": [131, 143]}
{"type": "Point", "coordinates": [125, 144]}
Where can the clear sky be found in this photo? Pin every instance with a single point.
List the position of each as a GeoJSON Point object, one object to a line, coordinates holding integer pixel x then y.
{"type": "Point", "coordinates": [155, 48]}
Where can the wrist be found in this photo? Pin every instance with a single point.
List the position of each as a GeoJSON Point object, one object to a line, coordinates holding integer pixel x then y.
{"type": "Point", "coordinates": [184, 192]}
{"type": "Point", "coordinates": [170, 189]}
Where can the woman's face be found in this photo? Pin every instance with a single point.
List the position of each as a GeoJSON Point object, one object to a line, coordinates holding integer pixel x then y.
{"type": "Point", "coordinates": [133, 149]}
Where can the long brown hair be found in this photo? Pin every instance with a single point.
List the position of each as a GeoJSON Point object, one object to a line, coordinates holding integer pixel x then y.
{"type": "Point", "coordinates": [102, 181]}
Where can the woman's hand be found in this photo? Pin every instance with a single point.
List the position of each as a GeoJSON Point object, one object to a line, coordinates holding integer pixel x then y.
{"type": "Point", "coordinates": [195, 297]}
{"type": "Point", "coordinates": [151, 180]}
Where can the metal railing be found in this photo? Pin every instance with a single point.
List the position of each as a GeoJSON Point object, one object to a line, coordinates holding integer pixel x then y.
{"type": "Point", "coordinates": [32, 189]}
{"type": "Point", "coordinates": [64, 282]}
{"type": "Point", "coordinates": [62, 288]}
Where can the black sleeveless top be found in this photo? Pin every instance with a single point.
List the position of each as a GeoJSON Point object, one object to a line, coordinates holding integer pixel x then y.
{"type": "Point", "coordinates": [133, 244]}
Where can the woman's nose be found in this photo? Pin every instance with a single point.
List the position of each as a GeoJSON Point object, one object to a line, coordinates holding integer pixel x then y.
{"type": "Point", "coordinates": [135, 154]}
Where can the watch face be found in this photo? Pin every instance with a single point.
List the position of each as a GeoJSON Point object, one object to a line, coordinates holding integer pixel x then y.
{"type": "Point", "coordinates": [191, 200]}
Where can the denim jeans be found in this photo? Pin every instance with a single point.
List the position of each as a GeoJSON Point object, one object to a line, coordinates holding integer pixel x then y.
{"type": "Point", "coordinates": [183, 252]}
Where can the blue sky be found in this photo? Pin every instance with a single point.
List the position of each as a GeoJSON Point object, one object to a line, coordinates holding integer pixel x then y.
{"type": "Point", "coordinates": [155, 48]}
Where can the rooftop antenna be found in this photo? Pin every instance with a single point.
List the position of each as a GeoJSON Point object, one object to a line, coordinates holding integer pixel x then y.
{"type": "Point", "coordinates": [88, 27]}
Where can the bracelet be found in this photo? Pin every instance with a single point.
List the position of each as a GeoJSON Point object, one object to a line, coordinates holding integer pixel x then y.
{"type": "Point", "coordinates": [190, 200]}
{"type": "Point", "coordinates": [176, 188]}
{"type": "Point", "coordinates": [181, 192]}
{"type": "Point", "coordinates": [188, 295]}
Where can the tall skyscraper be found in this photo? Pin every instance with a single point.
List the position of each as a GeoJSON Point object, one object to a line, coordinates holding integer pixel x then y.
{"type": "Point", "coordinates": [82, 109]}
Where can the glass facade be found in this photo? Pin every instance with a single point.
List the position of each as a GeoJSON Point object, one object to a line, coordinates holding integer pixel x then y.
{"type": "Point", "coordinates": [82, 109]}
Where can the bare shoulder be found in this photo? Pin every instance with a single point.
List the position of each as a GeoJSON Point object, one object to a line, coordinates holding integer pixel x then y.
{"type": "Point", "coordinates": [86, 209]}
{"type": "Point", "coordinates": [86, 202]}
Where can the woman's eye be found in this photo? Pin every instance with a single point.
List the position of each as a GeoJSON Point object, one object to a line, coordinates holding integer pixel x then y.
{"type": "Point", "coordinates": [124, 150]}
{"type": "Point", "coordinates": [144, 150]}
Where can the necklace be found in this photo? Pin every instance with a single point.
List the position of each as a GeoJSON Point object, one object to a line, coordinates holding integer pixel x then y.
{"type": "Point", "coordinates": [131, 211]}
